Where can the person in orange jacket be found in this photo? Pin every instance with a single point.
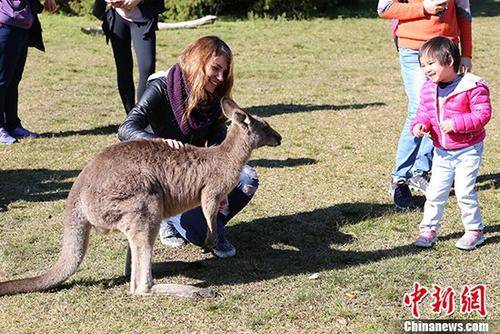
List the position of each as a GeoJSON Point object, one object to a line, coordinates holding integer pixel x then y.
{"type": "Point", "coordinates": [416, 21]}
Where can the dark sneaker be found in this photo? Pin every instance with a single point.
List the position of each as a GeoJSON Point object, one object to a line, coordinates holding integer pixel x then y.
{"type": "Point", "coordinates": [419, 182]}
{"type": "Point", "coordinates": [169, 235]}
{"type": "Point", "coordinates": [6, 138]}
{"type": "Point", "coordinates": [21, 132]}
{"type": "Point", "coordinates": [224, 249]}
{"type": "Point", "coordinates": [401, 195]}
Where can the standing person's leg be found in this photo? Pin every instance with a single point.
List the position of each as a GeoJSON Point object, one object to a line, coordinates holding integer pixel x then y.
{"type": "Point", "coordinates": [408, 145]}
{"type": "Point", "coordinates": [121, 43]}
{"type": "Point", "coordinates": [144, 43]}
{"type": "Point", "coordinates": [467, 169]}
{"type": "Point", "coordinates": [192, 224]}
{"type": "Point", "coordinates": [436, 197]}
{"type": "Point", "coordinates": [13, 53]}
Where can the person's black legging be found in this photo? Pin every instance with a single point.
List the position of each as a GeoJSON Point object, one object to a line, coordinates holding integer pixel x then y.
{"type": "Point", "coordinates": [123, 33]}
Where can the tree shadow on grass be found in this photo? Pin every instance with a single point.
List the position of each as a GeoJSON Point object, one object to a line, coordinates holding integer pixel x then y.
{"type": "Point", "coordinates": [278, 109]}
{"type": "Point", "coordinates": [286, 245]}
{"type": "Point", "coordinates": [488, 181]}
{"type": "Point", "coordinates": [99, 131]}
{"type": "Point", "coordinates": [288, 162]}
{"type": "Point", "coordinates": [34, 185]}
{"type": "Point", "coordinates": [303, 244]}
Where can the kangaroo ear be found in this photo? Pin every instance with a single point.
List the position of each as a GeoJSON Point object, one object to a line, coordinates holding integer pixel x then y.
{"type": "Point", "coordinates": [232, 111]}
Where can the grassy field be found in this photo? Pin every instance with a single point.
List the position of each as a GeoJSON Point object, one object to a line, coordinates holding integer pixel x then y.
{"type": "Point", "coordinates": [319, 248]}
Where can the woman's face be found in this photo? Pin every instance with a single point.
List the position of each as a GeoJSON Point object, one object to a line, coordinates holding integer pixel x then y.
{"type": "Point", "coordinates": [215, 70]}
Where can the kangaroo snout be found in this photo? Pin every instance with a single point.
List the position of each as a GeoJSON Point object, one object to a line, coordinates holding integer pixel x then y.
{"type": "Point", "coordinates": [276, 139]}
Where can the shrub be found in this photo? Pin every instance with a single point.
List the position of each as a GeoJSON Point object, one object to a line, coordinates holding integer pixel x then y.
{"type": "Point", "coordinates": [188, 9]}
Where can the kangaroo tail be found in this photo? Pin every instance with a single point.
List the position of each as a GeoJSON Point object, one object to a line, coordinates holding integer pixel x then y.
{"type": "Point", "coordinates": [74, 245]}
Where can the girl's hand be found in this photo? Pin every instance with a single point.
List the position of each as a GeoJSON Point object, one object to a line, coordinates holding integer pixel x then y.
{"type": "Point", "coordinates": [434, 7]}
{"type": "Point", "coordinates": [174, 143]}
{"type": "Point", "coordinates": [419, 130]}
{"type": "Point", "coordinates": [223, 204]}
{"type": "Point", "coordinates": [446, 126]}
{"type": "Point", "coordinates": [465, 65]}
{"type": "Point", "coordinates": [50, 5]}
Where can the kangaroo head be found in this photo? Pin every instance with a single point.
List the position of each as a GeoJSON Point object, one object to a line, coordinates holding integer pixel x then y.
{"type": "Point", "coordinates": [260, 132]}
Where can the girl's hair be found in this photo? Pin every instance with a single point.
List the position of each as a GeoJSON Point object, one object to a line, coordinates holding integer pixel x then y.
{"type": "Point", "coordinates": [192, 62]}
{"type": "Point", "coordinates": [442, 49]}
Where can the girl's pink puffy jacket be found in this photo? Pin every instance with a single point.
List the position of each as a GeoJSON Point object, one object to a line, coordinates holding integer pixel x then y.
{"type": "Point", "coordinates": [468, 106]}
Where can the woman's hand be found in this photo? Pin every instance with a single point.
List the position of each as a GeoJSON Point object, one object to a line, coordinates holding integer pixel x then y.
{"type": "Point", "coordinates": [174, 143]}
{"type": "Point", "coordinates": [129, 4]}
{"type": "Point", "coordinates": [115, 3]}
{"type": "Point", "coordinates": [434, 7]}
{"type": "Point", "coordinates": [465, 65]}
{"type": "Point", "coordinates": [223, 204]}
{"type": "Point", "coordinates": [446, 126]}
{"type": "Point", "coordinates": [50, 5]}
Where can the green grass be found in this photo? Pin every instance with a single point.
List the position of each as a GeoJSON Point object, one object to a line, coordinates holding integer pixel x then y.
{"type": "Point", "coordinates": [333, 90]}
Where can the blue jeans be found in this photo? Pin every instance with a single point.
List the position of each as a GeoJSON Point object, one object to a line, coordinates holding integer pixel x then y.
{"type": "Point", "coordinates": [414, 155]}
{"type": "Point", "coordinates": [13, 53]}
{"type": "Point", "coordinates": [192, 224]}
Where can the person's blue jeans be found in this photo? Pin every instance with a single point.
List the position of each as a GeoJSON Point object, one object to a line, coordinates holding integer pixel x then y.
{"type": "Point", "coordinates": [414, 155]}
{"type": "Point", "coordinates": [192, 224]}
{"type": "Point", "coordinates": [13, 53]}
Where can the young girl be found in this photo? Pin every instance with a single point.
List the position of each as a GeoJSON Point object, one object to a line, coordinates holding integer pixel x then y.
{"type": "Point", "coordinates": [453, 111]}
{"type": "Point", "coordinates": [183, 106]}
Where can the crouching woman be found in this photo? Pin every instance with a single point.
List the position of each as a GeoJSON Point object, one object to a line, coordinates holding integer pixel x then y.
{"type": "Point", "coordinates": [183, 107]}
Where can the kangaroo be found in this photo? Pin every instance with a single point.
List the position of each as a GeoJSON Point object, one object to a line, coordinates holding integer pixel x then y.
{"type": "Point", "coordinates": [131, 186]}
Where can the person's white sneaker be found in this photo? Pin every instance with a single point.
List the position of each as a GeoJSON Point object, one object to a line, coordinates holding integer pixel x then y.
{"type": "Point", "coordinates": [169, 235]}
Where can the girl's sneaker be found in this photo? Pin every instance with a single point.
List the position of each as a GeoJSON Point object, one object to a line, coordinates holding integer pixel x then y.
{"type": "Point", "coordinates": [5, 137]}
{"type": "Point", "coordinates": [426, 239]}
{"type": "Point", "coordinates": [470, 240]}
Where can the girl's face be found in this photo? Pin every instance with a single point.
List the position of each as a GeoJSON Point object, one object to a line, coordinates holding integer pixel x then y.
{"type": "Point", "coordinates": [215, 70]}
{"type": "Point", "coordinates": [436, 71]}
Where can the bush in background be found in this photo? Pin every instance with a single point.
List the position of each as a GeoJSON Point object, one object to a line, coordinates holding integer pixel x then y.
{"type": "Point", "coordinates": [75, 7]}
{"type": "Point", "coordinates": [178, 10]}
{"type": "Point", "coordinates": [188, 9]}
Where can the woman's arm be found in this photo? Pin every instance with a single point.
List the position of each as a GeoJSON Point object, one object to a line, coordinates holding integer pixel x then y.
{"type": "Point", "coordinates": [409, 11]}
{"type": "Point", "coordinates": [152, 101]}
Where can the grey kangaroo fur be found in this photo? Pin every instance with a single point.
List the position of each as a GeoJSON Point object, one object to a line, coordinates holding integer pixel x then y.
{"type": "Point", "coordinates": [131, 186]}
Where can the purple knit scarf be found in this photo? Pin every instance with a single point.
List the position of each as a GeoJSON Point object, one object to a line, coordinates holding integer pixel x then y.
{"type": "Point", "coordinates": [202, 117]}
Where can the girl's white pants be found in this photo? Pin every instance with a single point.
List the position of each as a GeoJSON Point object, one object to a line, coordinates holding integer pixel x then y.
{"type": "Point", "coordinates": [461, 166]}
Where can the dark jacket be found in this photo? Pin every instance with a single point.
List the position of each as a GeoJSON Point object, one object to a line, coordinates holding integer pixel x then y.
{"type": "Point", "coordinates": [149, 8]}
{"type": "Point", "coordinates": [153, 109]}
{"type": "Point", "coordinates": [35, 32]}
